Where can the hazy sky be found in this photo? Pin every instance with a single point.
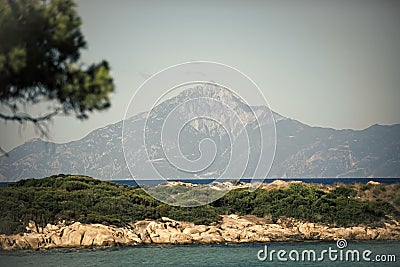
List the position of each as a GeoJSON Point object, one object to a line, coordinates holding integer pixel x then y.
{"type": "Point", "coordinates": [325, 63]}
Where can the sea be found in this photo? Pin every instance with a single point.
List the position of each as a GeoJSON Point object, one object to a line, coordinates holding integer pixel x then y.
{"type": "Point", "coordinates": [370, 254]}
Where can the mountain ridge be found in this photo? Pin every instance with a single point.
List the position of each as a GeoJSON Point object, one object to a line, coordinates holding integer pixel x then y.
{"type": "Point", "coordinates": [301, 150]}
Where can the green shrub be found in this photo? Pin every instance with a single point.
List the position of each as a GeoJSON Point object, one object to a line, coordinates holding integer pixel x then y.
{"type": "Point", "coordinates": [342, 191]}
{"type": "Point", "coordinates": [397, 201]}
{"type": "Point", "coordinates": [84, 199]}
{"type": "Point", "coordinates": [75, 185]}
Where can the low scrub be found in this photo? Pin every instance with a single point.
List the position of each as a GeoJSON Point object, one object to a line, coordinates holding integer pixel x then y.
{"type": "Point", "coordinates": [81, 198]}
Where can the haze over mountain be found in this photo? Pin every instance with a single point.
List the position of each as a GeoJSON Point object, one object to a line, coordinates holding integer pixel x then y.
{"type": "Point", "coordinates": [301, 151]}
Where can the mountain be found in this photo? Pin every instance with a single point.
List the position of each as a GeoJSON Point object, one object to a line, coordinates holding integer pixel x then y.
{"type": "Point", "coordinates": [301, 150]}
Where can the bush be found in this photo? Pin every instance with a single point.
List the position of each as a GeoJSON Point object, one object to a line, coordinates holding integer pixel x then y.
{"type": "Point", "coordinates": [84, 199]}
{"type": "Point", "coordinates": [397, 201]}
{"type": "Point", "coordinates": [342, 191]}
{"type": "Point", "coordinates": [75, 185]}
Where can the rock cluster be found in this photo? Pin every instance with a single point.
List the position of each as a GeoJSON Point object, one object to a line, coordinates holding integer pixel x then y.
{"type": "Point", "coordinates": [231, 229]}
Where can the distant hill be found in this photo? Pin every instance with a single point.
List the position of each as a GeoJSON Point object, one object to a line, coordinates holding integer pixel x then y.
{"type": "Point", "coordinates": [302, 150]}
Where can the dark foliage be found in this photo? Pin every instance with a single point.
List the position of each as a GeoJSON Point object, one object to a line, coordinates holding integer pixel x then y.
{"type": "Point", "coordinates": [40, 48]}
{"type": "Point", "coordinates": [84, 199]}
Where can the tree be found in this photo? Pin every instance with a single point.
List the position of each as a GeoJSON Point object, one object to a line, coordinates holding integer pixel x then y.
{"type": "Point", "coordinates": [40, 48]}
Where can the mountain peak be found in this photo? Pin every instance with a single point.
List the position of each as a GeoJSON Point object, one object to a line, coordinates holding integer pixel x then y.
{"type": "Point", "coordinates": [302, 151]}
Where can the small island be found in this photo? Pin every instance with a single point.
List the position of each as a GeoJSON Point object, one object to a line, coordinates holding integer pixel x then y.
{"type": "Point", "coordinates": [79, 211]}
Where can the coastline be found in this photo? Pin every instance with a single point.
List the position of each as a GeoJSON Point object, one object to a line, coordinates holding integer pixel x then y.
{"type": "Point", "coordinates": [230, 229]}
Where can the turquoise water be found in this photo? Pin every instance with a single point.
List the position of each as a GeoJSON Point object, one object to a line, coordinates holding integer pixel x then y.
{"type": "Point", "coordinates": [193, 255]}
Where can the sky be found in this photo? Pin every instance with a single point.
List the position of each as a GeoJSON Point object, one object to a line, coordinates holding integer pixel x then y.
{"type": "Point", "coordinates": [325, 63]}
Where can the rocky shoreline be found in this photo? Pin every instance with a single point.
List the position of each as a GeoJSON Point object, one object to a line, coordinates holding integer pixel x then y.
{"type": "Point", "coordinates": [230, 229]}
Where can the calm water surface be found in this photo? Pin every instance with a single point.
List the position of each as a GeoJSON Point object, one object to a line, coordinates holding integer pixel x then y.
{"type": "Point", "coordinates": [194, 255]}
